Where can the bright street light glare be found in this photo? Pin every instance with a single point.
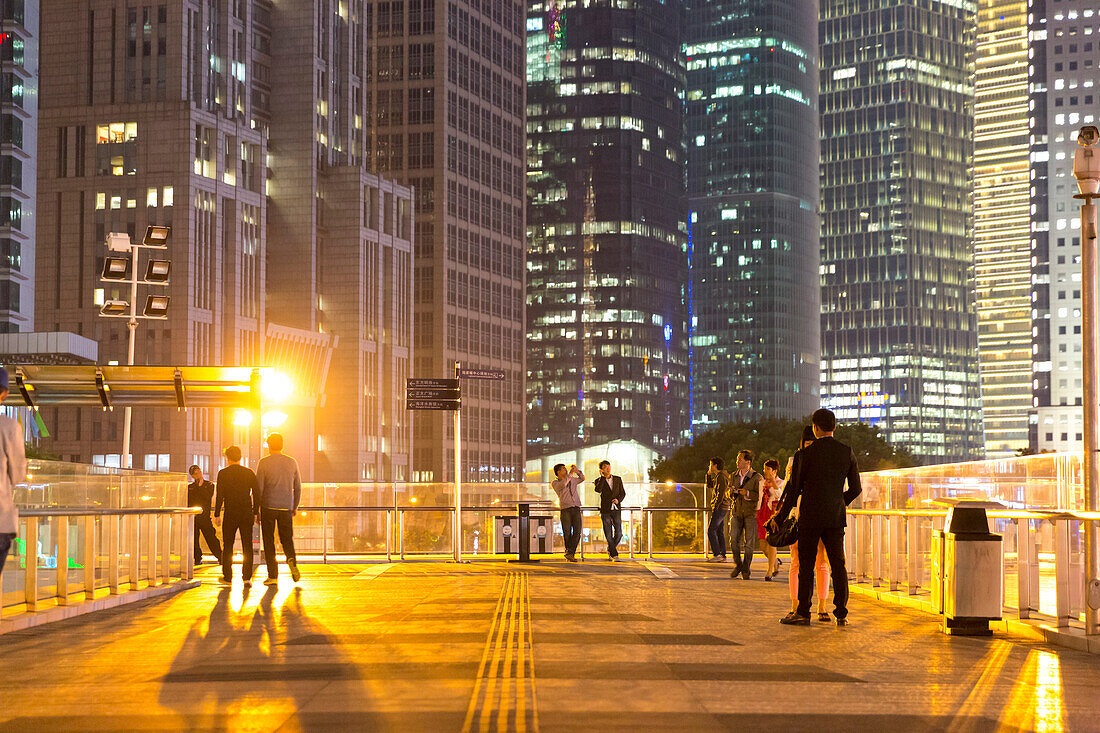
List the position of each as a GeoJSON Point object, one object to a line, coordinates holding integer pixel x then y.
{"type": "Point", "coordinates": [242, 418]}
{"type": "Point", "coordinates": [276, 387]}
{"type": "Point", "coordinates": [273, 419]}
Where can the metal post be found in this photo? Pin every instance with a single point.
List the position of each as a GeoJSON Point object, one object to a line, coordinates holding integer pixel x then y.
{"type": "Point", "coordinates": [630, 542]}
{"type": "Point", "coordinates": [912, 552]}
{"type": "Point", "coordinates": [62, 582]}
{"type": "Point", "coordinates": [649, 528]}
{"type": "Point", "coordinates": [1090, 322]}
{"type": "Point", "coordinates": [149, 527]}
{"type": "Point", "coordinates": [876, 550]}
{"type": "Point", "coordinates": [90, 559]}
{"type": "Point", "coordinates": [187, 551]}
{"type": "Point", "coordinates": [131, 326]}
{"type": "Point", "coordinates": [1061, 570]}
{"type": "Point", "coordinates": [114, 550]}
{"type": "Point", "coordinates": [895, 525]}
{"type": "Point", "coordinates": [401, 533]}
{"type": "Point", "coordinates": [133, 546]}
{"type": "Point", "coordinates": [456, 537]}
{"type": "Point", "coordinates": [389, 534]}
{"type": "Point", "coordinates": [30, 557]}
{"type": "Point", "coordinates": [324, 537]}
{"type": "Point", "coordinates": [165, 545]}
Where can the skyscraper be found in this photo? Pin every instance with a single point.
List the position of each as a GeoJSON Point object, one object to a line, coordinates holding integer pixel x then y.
{"type": "Point", "coordinates": [606, 226]}
{"type": "Point", "coordinates": [900, 334]}
{"type": "Point", "coordinates": [18, 162]}
{"type": "Point", "coordinates": [187, 115]}
{"type": "Point", "coordinates": [1063, 78]}
{"type": "Point", "coordinates": [1002, 219]}
{"type": "Point", "coordinates": [445, 113]}
{"type": "Point", "coordinates": [752, 121]}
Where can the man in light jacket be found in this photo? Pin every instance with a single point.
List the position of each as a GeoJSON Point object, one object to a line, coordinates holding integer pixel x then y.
{"type": "Point", "coordinates": [280, 490]}
{"type": "Point", "coordinates": [566, 486]}
{"type": "Point", "coordinates": [13, 470]}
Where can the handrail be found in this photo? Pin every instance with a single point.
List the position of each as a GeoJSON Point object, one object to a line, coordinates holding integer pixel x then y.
{"type": "Point", "coordinates": [126, 548]}
{"type": "Point", "coordinates": [107, 512]}
{"type": "Point", "coordinates": [895, 548]}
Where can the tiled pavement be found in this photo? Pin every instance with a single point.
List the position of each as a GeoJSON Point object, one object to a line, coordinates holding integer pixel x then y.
{"type": "Point", "coordinates": [549, 647]}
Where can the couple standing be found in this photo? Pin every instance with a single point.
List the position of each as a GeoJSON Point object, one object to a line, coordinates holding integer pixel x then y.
{"type": "Point", "coordinates": [739, 494]}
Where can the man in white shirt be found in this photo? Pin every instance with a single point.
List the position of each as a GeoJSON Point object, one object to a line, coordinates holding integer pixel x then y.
{"type": "Point", "coordinates": [13, 470]}
{"type": "Point", "coordinates": [566, 486]}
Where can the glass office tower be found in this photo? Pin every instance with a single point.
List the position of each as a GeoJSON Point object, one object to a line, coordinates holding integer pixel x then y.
{"type": "Point", "coordinates": [752, 121]}
{"type": "Point", "coordinates": [1002, 224]}
{"type": "Point", "coordinates": [898, 316]}
{"type": "Point", "coordinates": [606, 231]}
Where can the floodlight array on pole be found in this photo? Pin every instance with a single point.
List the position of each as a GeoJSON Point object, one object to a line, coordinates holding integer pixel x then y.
{"type": "Point", "coordinates": [121, 267]}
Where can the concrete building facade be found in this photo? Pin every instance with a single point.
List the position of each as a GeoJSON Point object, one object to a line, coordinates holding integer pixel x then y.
{"type": "Point", "coordinates": [212, 117]}
{"type": "Point", "coordinates": [1063, 95]}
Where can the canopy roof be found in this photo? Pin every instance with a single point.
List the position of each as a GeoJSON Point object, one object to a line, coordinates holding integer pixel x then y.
{"type": "Point", "coordinates": [137, 386]}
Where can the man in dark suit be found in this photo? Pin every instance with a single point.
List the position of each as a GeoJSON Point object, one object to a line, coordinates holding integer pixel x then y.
{"type": "Point", "coordinates": [612, 495]}
{"type": "Point", "coordinates": [200, 493]}
{"type": "Point", "coordinates": [818, 476]}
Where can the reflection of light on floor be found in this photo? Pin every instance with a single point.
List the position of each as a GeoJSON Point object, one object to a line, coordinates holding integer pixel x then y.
{"type": "Point", "coordinates": [990, 669]}
{"type": "Point", "coordinates": [1036, 702]}
{"type": "Point", "coordinates": [1049, 705]}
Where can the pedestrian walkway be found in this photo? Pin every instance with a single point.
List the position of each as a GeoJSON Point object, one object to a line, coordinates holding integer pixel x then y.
{"type": "Point", "coordinates": [491, 646]}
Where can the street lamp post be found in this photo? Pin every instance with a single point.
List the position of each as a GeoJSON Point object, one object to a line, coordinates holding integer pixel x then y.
{"type": "Point", "coordinates": [121, 266]}
{"type": "Point", "coordinates": [1086, 169]}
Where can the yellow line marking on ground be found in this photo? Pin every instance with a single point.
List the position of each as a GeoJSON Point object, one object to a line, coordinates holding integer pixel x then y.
{"type": "Point", "coordinates": [504, 689]}
{"type": "Point", "coordinates": [467, 726]}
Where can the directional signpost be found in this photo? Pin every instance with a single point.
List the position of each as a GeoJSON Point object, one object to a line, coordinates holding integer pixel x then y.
{"type": "Point", "coordinates": [432, 394]}
{"type": "Point", "coordinates": [446, 394]}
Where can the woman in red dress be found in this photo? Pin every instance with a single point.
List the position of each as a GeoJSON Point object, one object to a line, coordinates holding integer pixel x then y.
{"type": "Point", "coordinates": [769, 502]}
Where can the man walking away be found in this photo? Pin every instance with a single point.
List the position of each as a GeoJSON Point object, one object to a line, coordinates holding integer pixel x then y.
{"type": "Point", "coordinates": [200, 493]}
{"type": "Point", "coordinates": [13, 470]}
{"type": "Point", "coordinates": [280, 491]}
{"type": "Point", "coordinates": [819, 473]}
{"type": "Point", "coordinates": [237, 495]}
{"type": "Point", "coordinates": [612, 495]}
{"type": "Point", "coordinates": [743, 521]}
{"type": "Point", "coordinates": [718, 486]}
{"type": "Point", "coordinates": [569, 501]}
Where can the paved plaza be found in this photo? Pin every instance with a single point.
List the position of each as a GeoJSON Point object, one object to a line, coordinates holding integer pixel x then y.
{"type": "Point", "coordinates": [493, 646]}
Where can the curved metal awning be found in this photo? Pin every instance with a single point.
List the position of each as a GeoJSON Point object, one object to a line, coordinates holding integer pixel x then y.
{"type": "Point", "coordinates": [92, 385]}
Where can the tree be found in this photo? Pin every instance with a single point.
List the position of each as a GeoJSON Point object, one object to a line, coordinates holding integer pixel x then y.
{"type": "Point", "coordinates": [773, 438]}
{"type": "Point", "coordinates": [677, 528]}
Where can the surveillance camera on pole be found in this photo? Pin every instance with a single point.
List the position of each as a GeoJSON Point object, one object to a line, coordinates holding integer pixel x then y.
{"type": "Point", "coordinates": [1086, 169]}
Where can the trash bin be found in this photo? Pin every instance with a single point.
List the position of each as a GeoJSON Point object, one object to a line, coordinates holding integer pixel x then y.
{"type": "Point", "coordinates": [973, 588]}
{"type": "Point", "coordinates": [506, 534]}
{"type": "Point", "coordinates": [937, 570]}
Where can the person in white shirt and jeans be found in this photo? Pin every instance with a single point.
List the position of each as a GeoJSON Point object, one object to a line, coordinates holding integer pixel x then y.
{"type": "Point", "coordinates": [569, 500]}
{"type": "Point", "coordinates": [13, 470]}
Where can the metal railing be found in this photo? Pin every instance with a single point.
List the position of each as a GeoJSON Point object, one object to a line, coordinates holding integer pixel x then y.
{"type": "Point", "coordinates": [92, 549]}
{"type": "Point", "coordinates": [1042, 560]}
{"type": "Point", "coordinates": [389, 530]}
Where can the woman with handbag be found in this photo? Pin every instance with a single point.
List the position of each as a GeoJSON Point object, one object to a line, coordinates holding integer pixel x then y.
{"type": "Point", "coordinates": [769, 503]}
{"type": "Point", "coordinates": [821, 565]}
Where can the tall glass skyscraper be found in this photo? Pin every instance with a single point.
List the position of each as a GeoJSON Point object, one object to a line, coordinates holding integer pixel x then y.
{"type": "Point", "coordinates": [898, 317]}
{"type": "Point", "coordinates": [752, 121]}
{"type": "Point", "coordinates": [606, 230]}
{"type": "Point", "coordinates": [1002, 224]}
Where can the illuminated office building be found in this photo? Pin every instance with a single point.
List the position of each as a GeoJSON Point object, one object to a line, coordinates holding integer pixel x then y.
{"type": "Point", "coordinates": [18, 162]}
{"type": "Point", "coordinates": [753, 148]}
{"type": "Point", "coordinates": [1002, 224]}
{"type": "Point", "coordinates": [1063, 77]}
{"type": "Point", "coordinates": [607, 269]}
{"type": "Point", "coordinates": [898, 318]}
